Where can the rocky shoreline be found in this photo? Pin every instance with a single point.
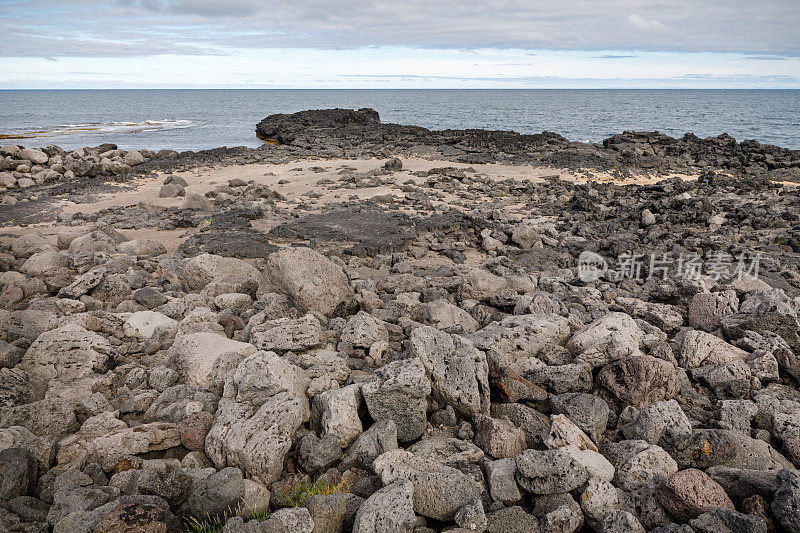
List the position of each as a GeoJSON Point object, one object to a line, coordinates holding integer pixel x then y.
{"type": "Point", "coordinates": [370, 327]}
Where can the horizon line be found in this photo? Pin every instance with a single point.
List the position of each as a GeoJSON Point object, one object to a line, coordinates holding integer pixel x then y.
{"type": "Point", "coordinates": [403, 89]}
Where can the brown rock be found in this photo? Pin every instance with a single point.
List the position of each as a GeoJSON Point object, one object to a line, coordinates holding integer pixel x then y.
{"type": "Point", "coordinates": [756, 505]}
{"type": "Point", "coordinates": [689, 493]}
{"type": "Point", "coordinates": [791, 450]}
{"type": "Point", "coordinates": [511, 388]}
{"type": "Point", "coordinates": [638, 381]}
{"type": "Point", "coordinates": [498, 437]}
{"type": "Point", "coordinates": [194, 428]}
{"type": "Point", "coordinates": [138, 514]}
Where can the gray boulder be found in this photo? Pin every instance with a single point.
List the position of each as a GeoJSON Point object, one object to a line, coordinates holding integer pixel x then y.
{"type": "Point", "coordinates": [549, 471]}
{"type": "Point", "coordinates": [313, 281]}
{"type": "Point", "coordinates": [291, 519]}
{"type": "Point", "coordinates": [400, 394]}
{"type": "Point", "coordinates": [67, 353]}
{"type": "Point", "coordinates": [18, 470]}
{"type": "Point", "coordinates": [520, 337]}
{"type": "Point", "coordinates": [389, 510]}
{"type": "Point", "coordinates": [439, 490]}
{"type": "Point", "coordinates": [263, 405]}
{"type": "Point", "coordinates": [284, 334]}
{"type": "Point", "coordinates": [786, 504]}
{"type": "Point", "coordinates": [215, 495]}
{"type": "Point", "coordinates": [458, 372]}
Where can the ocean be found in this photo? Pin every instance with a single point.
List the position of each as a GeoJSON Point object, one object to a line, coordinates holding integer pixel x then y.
{"type": "Point", "coordinates": [201, 119]}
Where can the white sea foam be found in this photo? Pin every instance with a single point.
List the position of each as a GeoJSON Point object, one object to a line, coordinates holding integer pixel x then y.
{"type": "Point", "coordinates": [103, 127]}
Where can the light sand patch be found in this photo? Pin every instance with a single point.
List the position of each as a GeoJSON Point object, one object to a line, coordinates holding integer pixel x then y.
{"type": "Point", "coordinates": [294, 180]}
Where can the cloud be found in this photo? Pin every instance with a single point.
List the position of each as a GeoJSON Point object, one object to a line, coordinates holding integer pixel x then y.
{"type": "Point", "coordinates": [766, 58]}
{"type": "Point", "coordinates": [577, 82]}
{"type": "Point", "coordinates": [614, 56]}
{"type": "Point", "coordinates": [114, 28]}
{"type": "Point", "coordinates": [641, 23]}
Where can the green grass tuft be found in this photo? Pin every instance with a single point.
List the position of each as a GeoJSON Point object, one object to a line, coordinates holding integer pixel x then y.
{"type": "Point", "coordinates": [303, 490]}
{"type": "Point", "coordinates": [217, 523]}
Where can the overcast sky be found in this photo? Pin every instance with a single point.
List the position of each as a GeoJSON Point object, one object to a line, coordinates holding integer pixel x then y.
{"type": "Point", "coordinates": [400, 43]}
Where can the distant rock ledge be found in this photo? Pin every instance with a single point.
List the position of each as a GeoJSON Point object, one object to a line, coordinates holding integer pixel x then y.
{"type": "Point", "coordinates": [356, 131]}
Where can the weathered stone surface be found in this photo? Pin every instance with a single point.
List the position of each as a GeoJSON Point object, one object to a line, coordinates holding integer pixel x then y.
{"type": "Point", "coordinates": [312, 280]}
{"type": "Point", "coordinates": [200, 270]}
{"type": "Point", "coordinates": [194, 355]}
{"type": "Point", "coordinates": [379, 438]}
{"type": "Point", "coordinates": [146, 514]}
{"type": "Point", "coordinates": [389, 510]}
{"type": "Point", "coordinates": [143, 324]}
{"type": "Point", "coordinates": [285, 334]}
{"type": "Point", "coordinates": [439, 490]}
{"type": "Point", "coordinates": [638, 463]}
{"type": "Point", "coordinates": [689, 493]}
{"type": "Point", "coordinates": [67, 353]}
{"type": "Point", "coordinates": [500, 476]}
{"type": "Point", "coordinates": [518, 337]}
{"type": "Point", "coordinates": [103, 439]}
{"type": "Point", "coordinates": [335, 412]}
{"type": "Point", "coordinates": [400, 394]}
{"type": "Point", "coordinates": [637, 381]}
{"type": "Point", "coordinates": [458, 372]}
{"type": "Point", "coordinates": [498, 437]}
{"type": "Point", "coordinates": [786, 504]}
{"type": "Point", "coordinates": [700, 348]}
{"type": "Point", "coordinates": [215, 495]}
{"type": "Point", "coordinates": [512, 520]}
{"type": "Point", "coordinates": [263, 405]}
{"type": "Point", "coordinates": [618, 326]}
{"type": "Point", "coordinates": [447, 450]}
{"type": "Point", "coordinates": [18, 469]}
{"type": "Point", "coordinates": [362, 331]}
{"type": "Point", "coordinates": [549, 471]}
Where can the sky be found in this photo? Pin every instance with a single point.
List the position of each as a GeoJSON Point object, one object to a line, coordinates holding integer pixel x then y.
{"type": "Point", "coordinates": [81, 44]}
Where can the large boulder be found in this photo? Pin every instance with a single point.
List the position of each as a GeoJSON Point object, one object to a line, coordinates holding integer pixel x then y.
{"type": "Point", "coordinates": [550, 471]}
{"type": "Point", "coordinates": [700, 348]}
{"type": "Point", "coordinates": [52, 418]}
{"type": "Point", "coordinates": [69, 352]}
{"type": "Point", "coordinates": [195, 355]}
{"type": "Point", "coordinates": [459, 373]}
{"type": "Point", "coordinates": [786, 504]}
{"type": "Point", "coordinates": [143, 324]}
{"type": "Point", "coordinates": [389, 510]}
{"type": "Point", "coordinates": [362, 331]}
{"type": "Point", "coordinates": [520, 337]}
{"type": "Point", "coordinates": [439, 490]}
{"type": "Point", "coordinates": [335, 412]}
{"type": "Point", "coordinates": [608, 324]}
{"type": "Point", "coordinates": [263, 404]}
{"type": "Point", "coordinates": [400, 394]}
{"type": "Point", "coordinates": [104, 439]}
{"type": "Point", "coordinates": [215, 495]}
{"type": "Point", "coordinates": [142, 513]}
{"type": "Point", "coordinates": [283, 334]}
{"type": "Point", "coordinates": [200, 270]}
{"type": "Point", "coordinates": [637, 381]}
{"type": "Point", "coordinates": [313, 281]}
{"type": "Point", "coordinates": [689, 493]}
{"type": "Point", "coordinates": [37, 157]}
{"type": "Point", "coordinates": [18, 470]}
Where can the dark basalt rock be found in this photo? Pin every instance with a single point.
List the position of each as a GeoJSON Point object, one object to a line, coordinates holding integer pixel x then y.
{"type": "Point", "coordinates": [287, 128]}
{"type": "Point", "coordinates": [345, 130]}
{"type": "Point", "coordinates": [231, 235]}
{"type": "Point", "coordinates": [363, 231]}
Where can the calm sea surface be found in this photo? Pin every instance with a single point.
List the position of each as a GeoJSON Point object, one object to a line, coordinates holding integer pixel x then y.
{"type": "Point", "coordinates": [200, 119]}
